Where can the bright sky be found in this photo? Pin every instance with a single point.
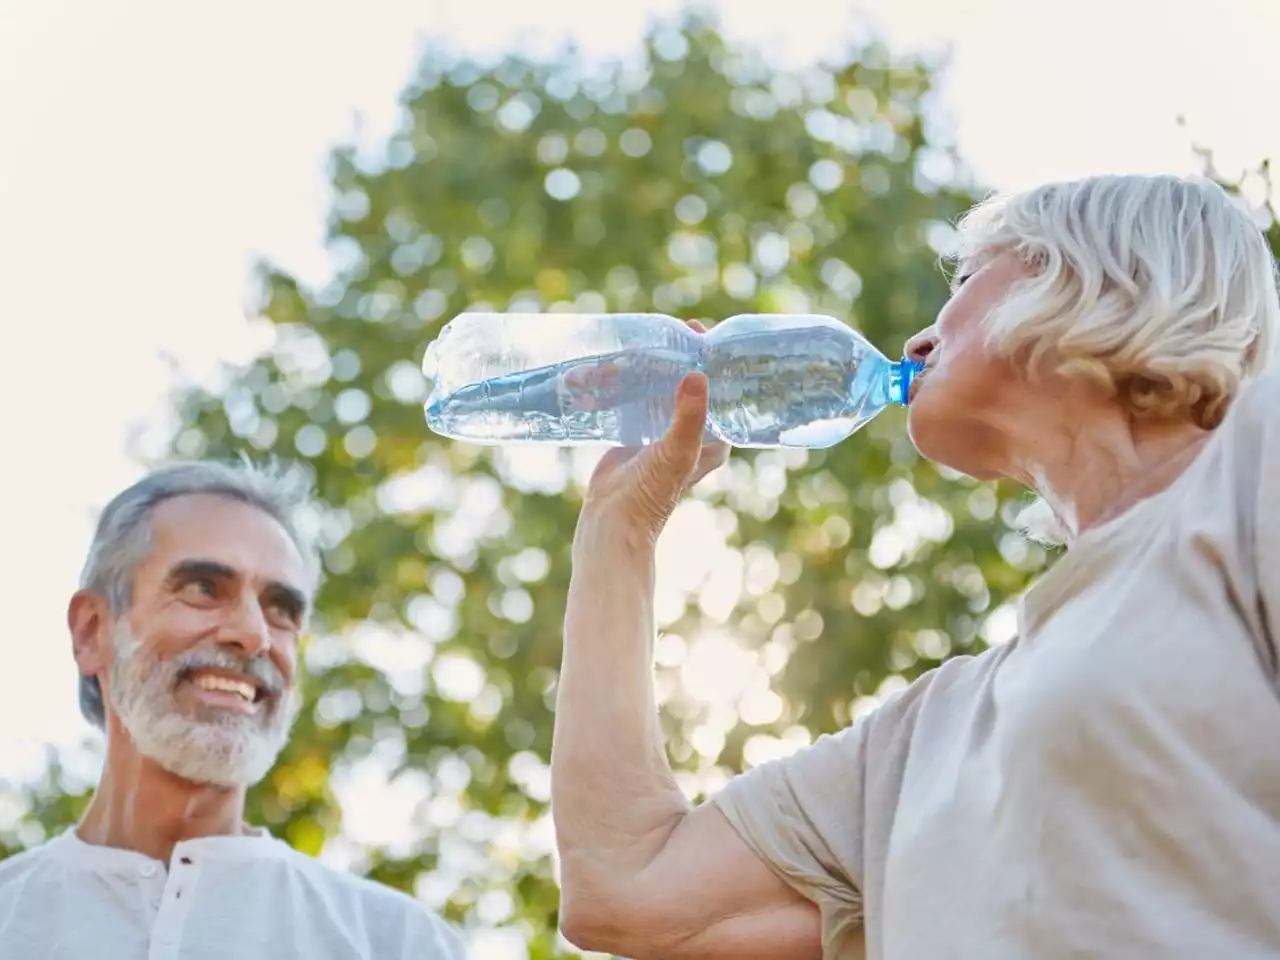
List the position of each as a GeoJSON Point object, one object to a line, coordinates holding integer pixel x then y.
{"type": "Point", "coordinates": [150, 150]}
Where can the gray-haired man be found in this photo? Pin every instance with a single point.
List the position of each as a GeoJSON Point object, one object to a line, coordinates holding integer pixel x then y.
{"type": "Point", "coordinates": [185, 631]}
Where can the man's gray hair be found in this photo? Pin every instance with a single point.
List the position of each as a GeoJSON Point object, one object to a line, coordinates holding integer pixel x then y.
{"type": "Point", "coordinates": [122, 539]}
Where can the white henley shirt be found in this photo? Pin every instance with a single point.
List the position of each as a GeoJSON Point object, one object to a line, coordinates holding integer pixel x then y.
{"type": "Point", "coordinates": [248, 897]}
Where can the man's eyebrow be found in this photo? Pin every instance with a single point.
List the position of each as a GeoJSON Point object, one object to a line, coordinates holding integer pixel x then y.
{"type": "Point", "coordinates": [186, 570]}
{"type": "Point", "coordinates": [190, 569]}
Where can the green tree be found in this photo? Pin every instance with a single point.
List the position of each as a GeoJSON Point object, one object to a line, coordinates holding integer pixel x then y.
{"type": "Point", "coordinates": [701, 183]}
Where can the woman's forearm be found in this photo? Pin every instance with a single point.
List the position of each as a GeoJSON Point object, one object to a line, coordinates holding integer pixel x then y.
{"type": "Point", "coordinates": [614, 799]}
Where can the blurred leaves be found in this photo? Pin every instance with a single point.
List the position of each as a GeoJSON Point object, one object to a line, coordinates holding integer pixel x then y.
{"type": "Point", "coordinates": [698, 182]}
{"type": "Point", "coordinates": [703, 183]}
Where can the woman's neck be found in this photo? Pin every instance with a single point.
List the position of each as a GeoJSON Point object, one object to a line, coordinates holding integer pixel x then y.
{"type": "Point", "coordinates": [1090, 476]}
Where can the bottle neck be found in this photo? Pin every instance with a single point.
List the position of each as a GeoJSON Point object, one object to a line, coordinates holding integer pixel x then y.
{"type": "Point", "coordinates": [900, 375]}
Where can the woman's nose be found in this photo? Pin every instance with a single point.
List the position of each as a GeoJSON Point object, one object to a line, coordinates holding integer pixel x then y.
{"type": "Point", "coordinates": [921, 345]}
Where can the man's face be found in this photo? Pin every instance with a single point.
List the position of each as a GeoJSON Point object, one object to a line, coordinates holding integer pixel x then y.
{"type": "Point", "coordinates": [203, 663]}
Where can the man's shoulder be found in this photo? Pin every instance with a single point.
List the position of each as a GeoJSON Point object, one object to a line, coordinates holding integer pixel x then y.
{"type": "Point", "coordinates": [18, 866]}
{"type": "Point", "coordinates": [353, 885]}
{"type": "Point", "coordinates": [381, 903]}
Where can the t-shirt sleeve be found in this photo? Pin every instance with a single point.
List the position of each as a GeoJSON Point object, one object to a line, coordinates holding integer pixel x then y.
{"type": "Point", "coordinates": [803, 816]}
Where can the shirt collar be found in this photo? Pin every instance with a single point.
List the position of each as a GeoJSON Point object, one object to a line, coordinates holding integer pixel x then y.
{"type": "Point", "coordinates": [256, 844]}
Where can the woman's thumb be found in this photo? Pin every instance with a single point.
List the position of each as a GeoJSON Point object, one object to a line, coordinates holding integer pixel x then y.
{"type": "Point", "coordinates": [669, 463]}
{"type": "Point", "coordinates": [683, 440]}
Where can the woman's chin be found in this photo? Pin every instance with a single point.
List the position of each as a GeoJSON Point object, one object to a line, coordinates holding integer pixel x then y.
{"type": "Point", "coordinates": [946, 440]}
{"type": "Point", "coordinates": [925, 425]}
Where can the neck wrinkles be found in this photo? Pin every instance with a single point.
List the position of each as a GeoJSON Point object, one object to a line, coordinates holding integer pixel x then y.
{"type": "Point", "coordinates": [140, 806]}
{"type": "Point", "coordinates": [1090, 475]}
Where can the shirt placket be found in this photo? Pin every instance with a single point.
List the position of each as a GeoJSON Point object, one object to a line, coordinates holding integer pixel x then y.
{"type": "Point", "coordinates": [152, 888]}
{"type": "Point", "coordinates": [175, 902]}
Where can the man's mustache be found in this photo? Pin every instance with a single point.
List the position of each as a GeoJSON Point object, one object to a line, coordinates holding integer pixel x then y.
{"type": "Point", "coordinates": [259, 668]}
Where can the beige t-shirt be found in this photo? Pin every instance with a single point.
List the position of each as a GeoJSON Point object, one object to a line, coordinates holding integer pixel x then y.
{"type": "Point", "coordinates": [1107, 784]}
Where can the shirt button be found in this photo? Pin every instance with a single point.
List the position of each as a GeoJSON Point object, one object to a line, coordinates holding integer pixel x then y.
{"type": "Point", "coordinates": [148, 870]}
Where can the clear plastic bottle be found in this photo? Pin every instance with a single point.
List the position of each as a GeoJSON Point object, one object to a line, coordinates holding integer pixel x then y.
{"type": "Point", "coordinates": [775, 380]}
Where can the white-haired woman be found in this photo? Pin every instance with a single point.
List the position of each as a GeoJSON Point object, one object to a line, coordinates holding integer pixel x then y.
{"type": "Point", "coordinates": [1108, 783]}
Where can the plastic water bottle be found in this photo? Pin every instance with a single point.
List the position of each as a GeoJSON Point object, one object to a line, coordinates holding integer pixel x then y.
{"type": "Point", "coordinates": [774, 380]}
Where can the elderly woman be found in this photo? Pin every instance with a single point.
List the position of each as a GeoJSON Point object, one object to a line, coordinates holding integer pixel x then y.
{"type": "Point", "coordinates": [1106, 784]}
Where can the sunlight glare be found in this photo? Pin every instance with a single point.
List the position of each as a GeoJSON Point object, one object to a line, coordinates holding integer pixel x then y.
{"type": "Point", "coordinates": [717, 670]}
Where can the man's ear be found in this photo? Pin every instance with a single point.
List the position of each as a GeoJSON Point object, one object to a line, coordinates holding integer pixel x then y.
{"type": "Point", "coordinates": [89, 620]}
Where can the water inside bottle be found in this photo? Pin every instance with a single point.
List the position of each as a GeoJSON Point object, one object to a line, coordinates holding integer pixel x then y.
{"type": "Point", "coordinates": [626, 396]}
{"type": "Point", "coordinates": [808, 385]}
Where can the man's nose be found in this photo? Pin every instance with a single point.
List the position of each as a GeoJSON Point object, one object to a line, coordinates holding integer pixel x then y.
{"type": "Point", "coordinates": [920, 346]}
{"type": "Point", "coordinates": [246, 630]}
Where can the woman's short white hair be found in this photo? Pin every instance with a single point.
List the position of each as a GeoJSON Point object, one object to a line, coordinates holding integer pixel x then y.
{"type": "Point", "coordinates": [1159, 288]}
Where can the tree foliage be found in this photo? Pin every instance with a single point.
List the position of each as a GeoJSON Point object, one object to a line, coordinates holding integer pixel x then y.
{"type": "Point", "coordinates": [796, 586]}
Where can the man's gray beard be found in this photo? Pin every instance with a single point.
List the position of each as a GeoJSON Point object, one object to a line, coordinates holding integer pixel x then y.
{"type": "Point", "coordinates": [228, 749]}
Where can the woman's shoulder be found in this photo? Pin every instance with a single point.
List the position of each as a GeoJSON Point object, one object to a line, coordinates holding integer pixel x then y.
{"type": "Point", "coordinates": [949, 690]}
{"type": "Point", "coordinates": [1252, 451]}
{"type": "Point", "coordinates": [1254, 412]}
{"type": "Point", "coordinates": [1250, 434]}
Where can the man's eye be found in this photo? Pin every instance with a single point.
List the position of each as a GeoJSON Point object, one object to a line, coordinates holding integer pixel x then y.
{"type": "Point", "coordinates": [285, 609]}
{"type": "Point", "coordinates": [202, 587]}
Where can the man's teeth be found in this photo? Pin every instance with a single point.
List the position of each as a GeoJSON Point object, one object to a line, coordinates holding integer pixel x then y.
{"type": "Point", "coordinates": [209, 682]}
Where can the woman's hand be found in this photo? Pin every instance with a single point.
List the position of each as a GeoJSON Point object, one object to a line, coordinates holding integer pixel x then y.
{"type": "Point", "coordinates": [634, 490]}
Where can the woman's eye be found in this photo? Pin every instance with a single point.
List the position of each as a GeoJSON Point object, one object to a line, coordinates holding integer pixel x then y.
{"type": "Point", "coordinates": [203, 587]}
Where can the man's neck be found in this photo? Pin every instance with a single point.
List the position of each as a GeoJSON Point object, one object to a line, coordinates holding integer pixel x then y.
{"type": "Point", "coordinates": [140, 806]}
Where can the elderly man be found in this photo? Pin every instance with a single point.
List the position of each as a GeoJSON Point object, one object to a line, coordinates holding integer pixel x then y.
{"type": "Point", "coordinates": [185, 630]}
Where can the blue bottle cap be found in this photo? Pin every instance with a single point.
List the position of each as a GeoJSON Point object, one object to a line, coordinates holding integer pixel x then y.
{"type": "Point", "coordinates": [904, 372]}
